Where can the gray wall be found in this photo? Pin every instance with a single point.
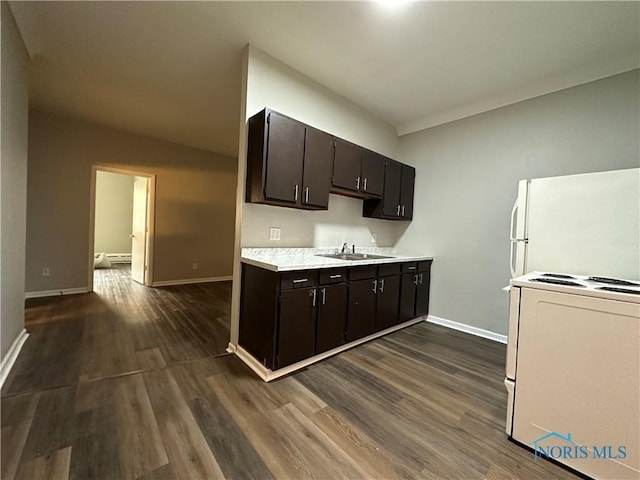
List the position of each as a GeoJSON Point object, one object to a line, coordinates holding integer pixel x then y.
{"type": "Point", "coordinates": [13, 178]}
{"type": "Point", "coordinates": [467, 174]}
{"type": "Point", "coordinates": [114, 213]}
{"type": "Point", "coordinates": [194, 211]}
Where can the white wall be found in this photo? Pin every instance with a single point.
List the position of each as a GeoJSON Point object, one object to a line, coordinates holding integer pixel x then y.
{"type": "Point", "coordinates": [270, 83]}
{"type": "Point", "coordinates": [466, 181]}
{"type": "Point", "coordinates": [13, 179]}
{"type": "Point", "coordinates": [114, 212]}
{"type": "Point", "coordinates": [275, 85]}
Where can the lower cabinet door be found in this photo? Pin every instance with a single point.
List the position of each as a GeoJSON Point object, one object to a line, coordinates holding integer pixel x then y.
{"type": "Point", "coordinates": [332, 317]}
{"type": "Point", "coordinates": [422, 295]}
{"type": "Point", "coordinates": [362, 309]}
{"type": "Point", "coordinates": [388, 302]}
{"type": "Point", "coordinates": [408, 285]}
{"type": "Point", "coordinates": [296, 326]}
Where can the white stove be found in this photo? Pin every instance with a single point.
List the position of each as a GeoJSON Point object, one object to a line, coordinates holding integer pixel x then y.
{"type": "Point", "coordinates": [591, 286]}
{"type": "Point", "coordinates": [573, 371]}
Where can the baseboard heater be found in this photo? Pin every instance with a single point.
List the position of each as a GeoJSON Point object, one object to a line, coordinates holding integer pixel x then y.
{"type": "Point", "coordinates": [119, 257]}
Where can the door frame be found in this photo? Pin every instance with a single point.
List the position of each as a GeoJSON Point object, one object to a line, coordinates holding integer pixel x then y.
{"type": "Point", "coordinates": [151, 202]}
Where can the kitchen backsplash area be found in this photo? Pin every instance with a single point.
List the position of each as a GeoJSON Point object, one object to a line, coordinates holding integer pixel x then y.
{"type": "Point", "coordinates": [342, 223]}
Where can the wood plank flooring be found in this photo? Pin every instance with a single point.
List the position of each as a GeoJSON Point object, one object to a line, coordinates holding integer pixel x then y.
{"type": "Point", "coordinates": [424, 402]}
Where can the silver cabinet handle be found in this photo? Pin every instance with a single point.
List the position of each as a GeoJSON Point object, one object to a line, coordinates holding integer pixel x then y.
{"type": "Point", "coordinates": [398, 211]}
{"type": "Point", "coordinates": [382, 285]}
{"type": "Point", "coordinates": [421, 279]}
{"type": "Point", "coordinates": [358, 183]}
{"type": "Point", "coordinates": [412, 268]}
{"type": "Point", "coordinates": [375, 286]}
{"type": "Point", "coordinates": [415, 279]}
{"type": "Point", "coordinates": [300, 280]}
{"type": "Point", "coordinates": [403, 210]}
{"type": "Point", "coordinates": [335, 276]}
{"type": "Point", "coordinates": [306, 195]}
{"type": "Point", "coordinates": [313, 293]}
{"type": "Point", "coordinates": [324, 296]}
{"type": "Point", "coordinates": [364, 185]}
{"type": "Point", "coordinates": [295, 193]}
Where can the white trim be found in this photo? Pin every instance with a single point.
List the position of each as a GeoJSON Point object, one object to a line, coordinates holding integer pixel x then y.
{"type": "Point", "coordinates": [167, 283]}
{"type": "Point", "coordinates": [267, 375]}
{"type": "Point", "coordinates": [231, 348]}
{"type": "Point", "coordinates": [11, 356]}
{"type": "Point", "coordinates": [462, 327]}
{"type": "Point", "coordinates": [53, 293]}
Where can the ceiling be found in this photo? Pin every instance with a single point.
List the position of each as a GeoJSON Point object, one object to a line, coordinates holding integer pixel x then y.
{"type": "Point", "coordinates": [173, 69]}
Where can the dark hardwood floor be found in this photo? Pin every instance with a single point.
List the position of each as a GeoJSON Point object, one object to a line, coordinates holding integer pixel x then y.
{"type": "Point", "coordinates": [125, 384]}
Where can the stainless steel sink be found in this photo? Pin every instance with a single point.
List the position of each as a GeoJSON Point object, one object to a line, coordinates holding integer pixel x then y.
{"type": "Point", "coordinates": [352, 256]}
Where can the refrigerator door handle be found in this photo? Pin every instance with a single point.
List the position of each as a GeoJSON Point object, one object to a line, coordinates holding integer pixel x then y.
{"type": "Point", "coordinates": [514, 212]}
{"type": "Point", "coordinates": [512, 258]}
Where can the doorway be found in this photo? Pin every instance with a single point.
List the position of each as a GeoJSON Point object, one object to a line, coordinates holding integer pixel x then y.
{"type": "Point", "coordinates": [121, 223]}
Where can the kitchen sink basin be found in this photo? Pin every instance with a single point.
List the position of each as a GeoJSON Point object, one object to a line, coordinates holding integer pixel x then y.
{"type": "Point", "coordinates": [352, 256]}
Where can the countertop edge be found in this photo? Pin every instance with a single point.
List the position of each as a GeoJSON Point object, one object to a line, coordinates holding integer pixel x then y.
{"type": "Point", "coordinates": [274, 267]}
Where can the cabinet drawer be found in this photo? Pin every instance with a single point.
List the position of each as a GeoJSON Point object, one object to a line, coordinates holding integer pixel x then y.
{"type": "Point", "coordinates": [333, 275]}
{"type": "Point", "coordinates": [362, 273]}
{"type": "Point", "coordinates": [302, 279]}
{"type": "Point", "coordinates": [424, 266]}
{"type": "Point", "coordinates": [388, 269]}
{"type": "Point", "coordinates": [410, 267]}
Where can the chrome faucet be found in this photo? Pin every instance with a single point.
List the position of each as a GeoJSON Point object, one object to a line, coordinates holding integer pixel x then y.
{"type": "Point", "coordinates": [345, 248]}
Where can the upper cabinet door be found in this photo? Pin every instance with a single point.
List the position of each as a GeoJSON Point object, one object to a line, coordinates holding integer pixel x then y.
{"type": "Point", "coordinates": [285, 153]}
{"type": "Point", "coordinates": [318, 165]}
{"type": "Point", "coordinates": [406, 192]}
{"type": "Point", "coordinates": [372, 181]}
{"type": "Point", "coordinates": [392, 180]}
{"type": "Point", "coordinates": [346, 165]}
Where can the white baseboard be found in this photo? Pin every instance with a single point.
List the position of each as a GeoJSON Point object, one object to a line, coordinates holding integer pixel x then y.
{"type": "Point", "coordinates": [462, 327]}
{"type": "Point", "coordinates": [168, 283]}
{"type": "Point", "coordinates": [53, 293]}
{"type": "Point", "coordinates": [10, 358]}
{"type": "Point", "coordinates": [231, 348]}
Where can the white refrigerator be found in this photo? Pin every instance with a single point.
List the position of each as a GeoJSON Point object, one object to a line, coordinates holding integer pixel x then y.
{"type": "Point", "coordinates": [587, 224]}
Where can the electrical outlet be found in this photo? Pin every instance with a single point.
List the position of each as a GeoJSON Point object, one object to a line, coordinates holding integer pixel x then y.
{"type": "Point", "coordinates": [46, 272]}
{"type": "Point", "coordinates": [374, 237]}
{"type": "Point", "coordinates": [274, 233]}
{"type": "Point", "coordinates": [194, 265]}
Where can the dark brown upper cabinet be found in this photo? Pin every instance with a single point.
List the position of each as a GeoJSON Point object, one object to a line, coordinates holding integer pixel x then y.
{"type": "Point", "coordinates": [317, 167]}
{"type": "Point", "coordinates": [347, 162]}
{"type": "Point", "coordinates": [288, 163]}
{"type": "Point", "coordinates": [397, 197]}
{"type": "Point", "coordinates": [372, 173]}
{"type": "Point", "coordinates": [357, 172]}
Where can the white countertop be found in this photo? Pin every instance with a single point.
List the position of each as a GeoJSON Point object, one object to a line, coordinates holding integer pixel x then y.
{"type": "Point", "coordinates": [289, 259]}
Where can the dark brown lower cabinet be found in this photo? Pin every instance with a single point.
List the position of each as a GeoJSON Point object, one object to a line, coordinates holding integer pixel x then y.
{"type": "Point", "coordinates": [296, 331]}
{"type": "Point", "coordinates": [362, 309]}
{"type": "Point", "coordinates": [332, 317]}
{"type": "Point", "coordinates": [388, 299]}
{"type": "Point", "coordinates": [423, 283]}
{"type": "Point", "coordinates": [286, 317]}
{"type": "Point", "coordinates": [414, 290]}
{"type": "Point", "coordinates": [408, 284]}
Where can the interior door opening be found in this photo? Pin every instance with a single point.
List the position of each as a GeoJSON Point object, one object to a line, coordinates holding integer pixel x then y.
{"type": "Point", "coordinates": [121, 226]}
